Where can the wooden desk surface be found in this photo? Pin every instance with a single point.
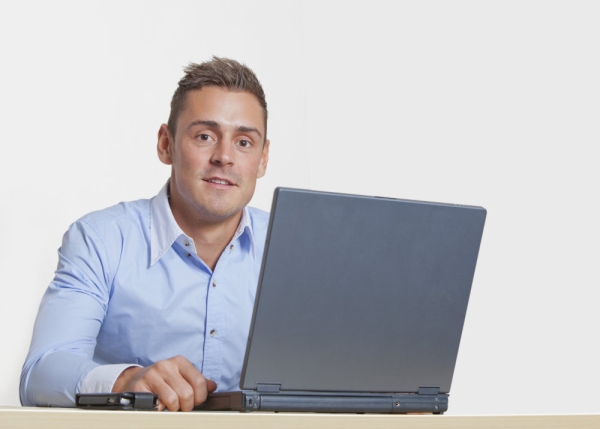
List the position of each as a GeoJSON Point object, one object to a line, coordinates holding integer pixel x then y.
{"type": "Point", "coordinates": [17, 417]}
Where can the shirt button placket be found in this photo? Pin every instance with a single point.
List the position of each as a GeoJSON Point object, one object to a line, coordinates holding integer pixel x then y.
{"type": "Point", "coordinates": [213, 347]}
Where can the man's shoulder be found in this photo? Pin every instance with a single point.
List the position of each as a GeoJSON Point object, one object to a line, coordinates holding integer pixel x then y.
{"type": "Point", "coordinates": [105, 233]}
{"type": "Point", "coordinates": [127, 213]}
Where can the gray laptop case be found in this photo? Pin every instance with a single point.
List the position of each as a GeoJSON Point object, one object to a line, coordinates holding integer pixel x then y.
{"type": "Point", "coordinates": [360, 305]}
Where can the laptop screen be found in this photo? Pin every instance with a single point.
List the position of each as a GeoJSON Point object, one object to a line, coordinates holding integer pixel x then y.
{"type": "Point", "coordinates": [361, 294]}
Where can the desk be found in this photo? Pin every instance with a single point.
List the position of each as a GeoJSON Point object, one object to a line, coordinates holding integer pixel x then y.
{"type": "Point", "coordinates": [17, 417]}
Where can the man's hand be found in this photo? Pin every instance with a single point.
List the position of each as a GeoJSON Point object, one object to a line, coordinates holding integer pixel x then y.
{"type": "Point", "coordinates": [178, 384]}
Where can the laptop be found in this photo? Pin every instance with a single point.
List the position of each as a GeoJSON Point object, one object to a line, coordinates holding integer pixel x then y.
{"type": "Point", "coordinates": [360, 305]}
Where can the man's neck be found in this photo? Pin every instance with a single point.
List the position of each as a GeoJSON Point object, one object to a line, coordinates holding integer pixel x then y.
{"type": "Point", "coordinates": [210, 237]}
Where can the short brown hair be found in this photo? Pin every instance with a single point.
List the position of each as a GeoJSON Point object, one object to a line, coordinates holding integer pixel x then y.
{"type": "Point", "coordinates": [222, 72]}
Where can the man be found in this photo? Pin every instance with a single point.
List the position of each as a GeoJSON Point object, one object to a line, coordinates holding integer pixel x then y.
{"type": "Point", "coordinates": [157, 295]}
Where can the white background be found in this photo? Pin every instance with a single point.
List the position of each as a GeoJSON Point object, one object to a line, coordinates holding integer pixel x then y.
{"type": "Point", "coordinates": [491, 103]}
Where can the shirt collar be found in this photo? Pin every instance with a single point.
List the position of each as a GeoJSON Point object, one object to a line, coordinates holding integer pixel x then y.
{"type": "Point", "coordinates": [246, 225]}
{"type": "Point", "coordinates": [164, 230]}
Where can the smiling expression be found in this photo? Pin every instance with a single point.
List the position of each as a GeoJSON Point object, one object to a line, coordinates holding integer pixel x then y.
{"type": "Point", "coordinates": [218, 151]}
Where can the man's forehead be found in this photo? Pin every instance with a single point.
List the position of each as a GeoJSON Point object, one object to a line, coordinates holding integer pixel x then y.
{"type": "Point", "coordinates": [213, 98]}
{"type": "Point", "coordinates": [214, 90]}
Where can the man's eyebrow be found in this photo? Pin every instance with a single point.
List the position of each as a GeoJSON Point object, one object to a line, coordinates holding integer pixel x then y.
{"type": "Point", "coordinates": [210, 124]}
{"type": "Point", "coordinates": [244, 129]}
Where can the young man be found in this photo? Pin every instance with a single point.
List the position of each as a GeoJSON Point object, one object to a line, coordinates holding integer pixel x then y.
{"type": "Point", "coordinates": [157, 295]}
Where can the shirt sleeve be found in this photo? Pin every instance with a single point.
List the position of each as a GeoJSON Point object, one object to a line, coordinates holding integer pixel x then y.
{"type": "Point", "coordinates": [102, 378]}
{"type": "Point", "coordinates": [68, 321]}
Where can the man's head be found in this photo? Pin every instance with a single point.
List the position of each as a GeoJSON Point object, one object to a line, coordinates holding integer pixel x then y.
{"type": "Point", "coordinates": [215, 142]}
{"type": "Point", "coordinates": [220, 72]}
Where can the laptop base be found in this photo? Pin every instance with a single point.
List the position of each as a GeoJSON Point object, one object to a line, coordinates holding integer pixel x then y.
{"type": "Point", "coordinates": [394, 403]}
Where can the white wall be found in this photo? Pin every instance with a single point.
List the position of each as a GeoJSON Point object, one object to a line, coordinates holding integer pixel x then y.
{"type": "Point", "coordinates": [488, 103]}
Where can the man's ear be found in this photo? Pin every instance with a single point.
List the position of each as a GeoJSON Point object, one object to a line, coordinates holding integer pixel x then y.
{"type": "Point", "coordinates": [264, 160]}
{"type": "Point", "coordinates": [165, 144]}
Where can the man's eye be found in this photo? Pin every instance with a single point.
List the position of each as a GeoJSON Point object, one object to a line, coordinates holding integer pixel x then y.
{"type": "Point", "coordinates": [245, 143]}
{"type": "Point", "coordinates": [203, 137]}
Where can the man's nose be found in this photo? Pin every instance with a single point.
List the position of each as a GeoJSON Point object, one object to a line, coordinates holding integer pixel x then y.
{"type": "Point", "coordinates": [223, 153]}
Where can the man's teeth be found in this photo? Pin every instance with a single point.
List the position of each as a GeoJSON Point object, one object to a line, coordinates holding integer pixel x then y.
{"type": "Point", "coordinates": [220, 182]}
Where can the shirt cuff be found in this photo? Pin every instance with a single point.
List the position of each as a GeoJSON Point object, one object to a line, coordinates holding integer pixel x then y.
{"type": "Point", "coordinates": [102, 378]}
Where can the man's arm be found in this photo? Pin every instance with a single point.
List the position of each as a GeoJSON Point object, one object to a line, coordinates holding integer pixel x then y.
{"type": "Point", "coordinates": [68, 321]}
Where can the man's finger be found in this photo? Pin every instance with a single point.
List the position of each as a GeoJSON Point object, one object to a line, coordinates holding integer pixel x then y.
{"type": "Point", "coordinates": [176, 381]}
{"type": "Point", "coordinates": [171, 384]}
{"type": "Point", "coordinates": [185, 380]}
{"type": "Point", "coordinates": [211, 385]}
{"type": "Point", "coordinates": [200, 385]}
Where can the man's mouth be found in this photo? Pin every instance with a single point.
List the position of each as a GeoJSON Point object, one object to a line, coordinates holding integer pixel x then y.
{"type": "Point", "coordinates": [219, 182]}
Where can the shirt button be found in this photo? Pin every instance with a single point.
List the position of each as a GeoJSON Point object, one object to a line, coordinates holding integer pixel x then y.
{"type": "Point", "coordinates": [231, 248]}
{"type": "Point", "coordinates": [214, 284]}
{"type": "Point", "coordinates": [213, 333]}
{"type": "Point", "coordinates": [187, 243]}
{"type": "Point", "coordinates": [189, 254]}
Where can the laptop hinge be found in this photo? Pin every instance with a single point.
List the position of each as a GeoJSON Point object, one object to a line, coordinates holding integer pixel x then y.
{"type": "Point", "coordinates": [429, 391]}
{"type": "Point", "coordinates": [268, 388]}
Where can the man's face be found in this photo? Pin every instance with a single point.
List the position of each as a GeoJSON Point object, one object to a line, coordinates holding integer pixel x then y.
{"type": "Point", "coordinates": [218, 152]}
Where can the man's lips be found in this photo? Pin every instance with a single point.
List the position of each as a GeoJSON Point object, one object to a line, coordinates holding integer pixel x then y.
{"type": "Point", "coordinates": [218, 181]}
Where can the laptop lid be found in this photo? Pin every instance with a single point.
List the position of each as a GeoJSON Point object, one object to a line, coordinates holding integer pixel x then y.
{"type": "Point", "coordinates": [361, 294]}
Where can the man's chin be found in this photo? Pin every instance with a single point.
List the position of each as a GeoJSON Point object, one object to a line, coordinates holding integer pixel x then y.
{"type": "Point", "coordinates": [220, 213]}
{"type": "Point", "coordinates": [215, 207]}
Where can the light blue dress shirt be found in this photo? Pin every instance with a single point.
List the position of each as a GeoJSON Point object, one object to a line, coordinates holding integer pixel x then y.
{"type": "Point", "coordinates": [129, 288]}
